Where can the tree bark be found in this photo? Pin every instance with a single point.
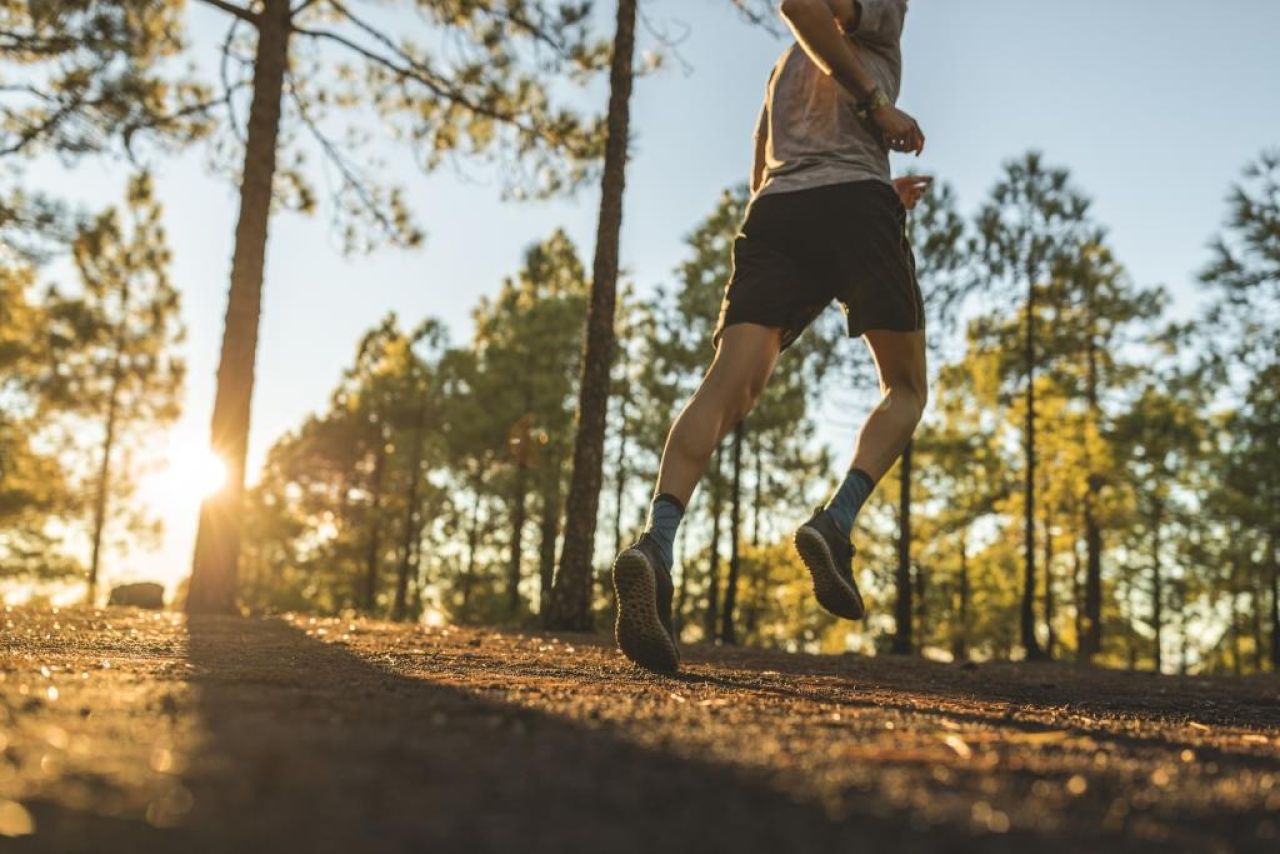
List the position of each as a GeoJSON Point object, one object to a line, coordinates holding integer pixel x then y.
{"type": "Point", "coordinates": [620, 465]}
{"type": "Point", "coordinates": [960, 650]}
{"type": "Point", "coordinates": [571, 599]}
{"type": "Point", "coordinates": [213, 571]}
{"type": "Point", "coordinates": [757, 487]}
{"type": "Point", "coordinates": [713, 561]}
{"type": "Point", "coordinates": [1273, 552]}
{"type": "Point", "coordinates": [412, 520]}
{"type": "Point", "coordinates": [519, 514]}
{"type": "Point", "coordinates": [375, 524]}
{"type": "Point", "coordinates": [1157, 590]}
{"type": "Point", "coordinates": [903, 643]}
{"type": "Point", "coordinates": [108, 444]}
{"type": "Point", "coordinates": [473, 539]}
{"type": "Point", "coordinates": [1028, 618]}
{"type": "Point", "coordinates": [727, 632]}
{"type": "Point", "coordinates": [548, 530]}
{"type": "Point", "coordinates": [1090, 641]}
{"type": "Point", "coordinates": [1050, 606]}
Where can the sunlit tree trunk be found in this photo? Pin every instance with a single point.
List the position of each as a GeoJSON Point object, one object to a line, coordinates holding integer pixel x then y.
{"type": "Point", "coordinates": [902, 640]}
{"type": "Point", "coordinates": [373, 551]}
{"type": "Point", "coordinates": [1090, 641]}
{"type": "Point", "coordinates": [548, 531]}
{"type": "Point", "coordinates": [473, 540]}
{"type": "Point", "coordinates": [213, 571]}
{"type": "Point", "coordinates": [1157, 589]}
{"type": "Point", "coordinates": [571, 605]}
{"type": "Point", "coordinates": [960, 650]}
{"type": "Point", "coordinates": [713, 560]}
{"type": "Point", "coordinates": [108, 445]}
{"type": "Point", "coordinates": [519, 514]}
{"type": "Point", "coordinates": [1273, 551]}
{"type": "Point", "coordinates": [412, 520]}
{"type": "Point", "coordinates": [727, 632]}
{"type": "Point", "coordinates": [1050, 605]}
{"type": "Point", "coordinates": [758, 487]}
{"type": "Point", "coordinates": [1077, 600]}
{"type": "Point", "coordinates": [1028, 618]}
{"type": "Point", "coordinates": [682, 591]}
{"type": "Point", "coordinates": [620, 464]}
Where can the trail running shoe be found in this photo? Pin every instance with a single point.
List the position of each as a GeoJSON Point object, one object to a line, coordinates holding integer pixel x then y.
{"type": "Point", "coordinates": [644, 590]}
{"type": "Point", "coordinates": [829, 556]}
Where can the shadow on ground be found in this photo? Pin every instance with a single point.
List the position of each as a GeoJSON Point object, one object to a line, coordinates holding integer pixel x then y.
{"type": "Point", "coordinates": [304, 745]}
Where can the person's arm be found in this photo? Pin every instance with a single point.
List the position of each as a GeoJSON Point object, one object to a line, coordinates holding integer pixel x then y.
{"type": "Point", "coordinates": [761, 143]}
{"type": "Point", "coordinates": [818, 28]}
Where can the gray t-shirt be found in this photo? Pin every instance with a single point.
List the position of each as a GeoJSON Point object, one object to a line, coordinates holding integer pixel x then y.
{"type": "Point", "coordinates": [813, 135]}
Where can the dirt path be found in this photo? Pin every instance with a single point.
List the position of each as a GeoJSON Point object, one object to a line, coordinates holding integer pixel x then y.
{"type": "Point", "coordinates": [123, 731]}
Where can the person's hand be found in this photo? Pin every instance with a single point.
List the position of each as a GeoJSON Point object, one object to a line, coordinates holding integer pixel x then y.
{"type": "Point", "coordinates": [911, 188]}
{"type": "Point", "coordinates": [900, 131]}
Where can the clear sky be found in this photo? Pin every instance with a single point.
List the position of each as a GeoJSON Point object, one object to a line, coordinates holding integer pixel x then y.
{"type": "Point", "coordinates": [1154, 105]}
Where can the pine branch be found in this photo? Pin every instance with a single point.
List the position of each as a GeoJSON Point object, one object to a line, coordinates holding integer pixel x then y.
{"type": "Point", "coordinates": [415, 70]}
{"type": "Point", "coordinates": [232, 9]}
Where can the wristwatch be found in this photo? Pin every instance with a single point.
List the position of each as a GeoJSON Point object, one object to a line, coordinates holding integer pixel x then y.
{"type": "Point", "coordinates": [874, 101]}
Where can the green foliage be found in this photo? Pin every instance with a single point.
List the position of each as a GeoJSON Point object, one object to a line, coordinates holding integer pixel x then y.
{"type": "Point", "coordinates": [85, 78]}
{"type": "Point", "coordinates": [95, 387]}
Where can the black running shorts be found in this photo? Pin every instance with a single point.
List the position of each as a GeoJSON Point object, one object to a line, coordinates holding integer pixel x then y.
{"type": "Point", "coordinates": [797, 251]}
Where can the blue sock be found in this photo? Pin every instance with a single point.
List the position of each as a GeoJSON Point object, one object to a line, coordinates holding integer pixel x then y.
{"type": "Point", "coordinates": [665, 514]}
{"type": "Point", "coordinates": [849, 498]}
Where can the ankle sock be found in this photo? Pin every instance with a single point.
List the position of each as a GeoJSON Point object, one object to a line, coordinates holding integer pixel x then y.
{"type": "Point", "coordinates": [849, 498]}
{"type": "Point", "coordinates": [665, 513]}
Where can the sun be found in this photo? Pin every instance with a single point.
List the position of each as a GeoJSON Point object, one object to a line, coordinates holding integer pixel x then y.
{"type": "Point", "coordinates": [190, 473]}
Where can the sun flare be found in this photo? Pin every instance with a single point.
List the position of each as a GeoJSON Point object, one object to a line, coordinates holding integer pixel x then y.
{"type": "Point", "coordinates": [190, 474]}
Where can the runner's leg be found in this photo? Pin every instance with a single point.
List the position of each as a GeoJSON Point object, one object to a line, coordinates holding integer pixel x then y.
{"type": "Point", "coordinates": [900, 364]}
{"type": "Point", "coordinates": [738, 373]}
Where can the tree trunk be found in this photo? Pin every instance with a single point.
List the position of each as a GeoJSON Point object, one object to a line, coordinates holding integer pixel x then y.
{"type": "Point", "coordinates": [412, 521]}
{"type": "Point", "coordinates": [213, 571]}
{"type": "Point", "coordinates": [1273, 552]}
{"type": "Point", "coordinates": [1028, 617]}
{"type": "Point", "coordinates": [108, 444]}
{"type": "Point", "coordinates": [473, 539]}
{"type": "Point", "coordinates": [1256, 587]}
{"type": "Point", "coordinates": [1090, 642]}
{"type": "Point", "coordinates": [902, 641]}
{"type": "Point", "coordinates": [375, 525]}
{"type": "Point", "coordinates": [757, 486]}
{"type": "Point", "coordinates": [921, 579]}
{"type": "Point", "coordinates": [727, 633]}
{"type": "Point", "coordinates": [620, 465]}
{"type": "Point", "coordinates": [571, 600]}
{"type": "Point", "coordinates": [713, 561]}
{"type": "Point", "coordinates": [1234, 610]}
{"type": "Point", "coordinates": [1157, 591]}
{"type": "Point", "coordinates": [1050, 606]}
{"type": "Point", "coordinates": [682, 592]}
{"type": "Point", "coordinates": [548, 530]}
{"type": "Point", "coordinates": [1077, 600]}
{"type": "Point", "coordinates": [960, 649]}
{"type": "Point", "coordinates": [1183, 639]}
{"type": "Point", "coordinates": [519, 514]}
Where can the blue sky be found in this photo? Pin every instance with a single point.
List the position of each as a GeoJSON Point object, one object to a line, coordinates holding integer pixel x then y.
{"type": "Point", "coordinates": [1154, 105]}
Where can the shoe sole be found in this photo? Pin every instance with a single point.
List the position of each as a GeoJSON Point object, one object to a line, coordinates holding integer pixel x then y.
{"type": "Point", "coordinates": [832, 592]}
{"type": "Point", "coordinates": [639, 632]}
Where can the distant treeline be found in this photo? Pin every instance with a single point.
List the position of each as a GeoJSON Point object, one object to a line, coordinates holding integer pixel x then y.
{"type": "Point", "coordinates": [1145, 535]}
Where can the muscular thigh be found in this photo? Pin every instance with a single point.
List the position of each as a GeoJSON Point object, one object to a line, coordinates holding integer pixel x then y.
{"type": "Point", "coordinates": [744, 359]}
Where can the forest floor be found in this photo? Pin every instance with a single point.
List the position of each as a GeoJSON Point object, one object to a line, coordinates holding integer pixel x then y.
{"type": "Point", "coordinates": [134, 732]}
